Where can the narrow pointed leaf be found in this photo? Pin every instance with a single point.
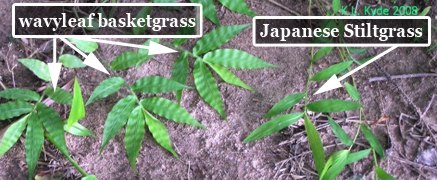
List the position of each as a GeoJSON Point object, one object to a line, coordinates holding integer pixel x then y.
{"type": "Point", "coordinates": [13, 109]}
{"type": "Point", "coordinates": [333, 105]}
{"type": "Point", "coordinates": [238, 6]}
{"type": "Point", "coordinates": [71, 61]}
{"type": "Point", "coordinates": [133, 138]}
{"type": "Point", "coordinates": [209, 10]}
{"type": "Point", "coordinates": [273, 126]}
{"type": "Point", "coordinates": [77, 111]}
{"type": "Point", "coordinates": [89, 177]}
{"type": "Point", "coordinates": [106, 88]}
{"type": "Point", "coordinates": [336, 6]}
{"type": "Point", "coordinates": [335, 165]}
{"type": "Point", "coordinates": [54, 127]}
{"type": "Point", "coordinates": [285, 104]}
{"type": "Point", "coordinates": [217, 38]}
{"type": "Point", "coordinates": [127, 60]}
{"type": "Point", "coordinates": [207, 87]}
{"type": "Point", "coordinates": [233, 58]}
{"type": "Point", "coordinates": [352, 91]}
{"type": "Point", "coordinates": [156, 84]}
{"type": "Point", "coordinates": [78, 130]}
{"type": "Point", "coordinates": [11, 135]}
{"type": "Point", "coordinates": [159, 133]}
{"type": "Point", "coordinates": [356, 156]}
{"type": "Point", "coordinates": [316, 145]}
{"type": "Point", "coordinates": [357, 50]}
{"type": "Point", "coordinates": [180, 72]}
{"type": "Point", "coordinates": [34, 143]}
{"type": "Point", "coordinates": [169, 110]}
{"type": "Point", "coordinates": [85, 46]}
{"type": "Point", "coordinates": [59, 95]}
{"type": "Point", "coordinates": [425, 11]}
{"type": "Point", "coordinates": [229, 77]}
{"type": "Point", "coordinates": [117, 118]}
{"type": "Point", "coordinates": [383, 175]}
{"type": "Point", "coordinates": [321, 53]}
{"type": "Point", "coordinates": [19, 94]}
{"type": "Point", "coordinates": [339, 132]}
{"type": "Point", "coordinates": [373, 140]}
{"type": "Point", "coordinates": [325, 74]}
{"type": "Point", "coordinates": [39, 68]}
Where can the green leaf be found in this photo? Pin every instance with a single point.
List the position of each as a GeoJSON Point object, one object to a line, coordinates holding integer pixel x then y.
{"type": "Point", "coordinates": [285, 104]}
{"type": "Point", "coordinates": [207, 87]}
{"type": "Point", "coordinates": [85, 46]}
{"type": "Point", "coordinates": [321, 53]}
{"type": "Point", "coordinates": [13, 109]}
{"type": "Point", "coordinates": [127, 60]}
{"type": "Point", "coordinates": [145, 52]}
{"type": "Point", "coordinates": [106, 88]}
{"type": "Point", "coordinates": [273, 126]}
{"type": "Point", "coordinates": [34, 142]}
{"type": "Point", "coordinates": [339, 132]}
{"type": "Point", "coordinates": [229, 77]}
{"type": "Point", "coordinates": [373, 140]}
{"type": "Point", "coordinates": [54, 127]}
{"type": "Point", "coordinates": [352, 91]}
{"type": "Point", "coordinates": [383, 175]}
{"type": "Point", "coordinates": [183, 31]}
{"type": "Point", "coordinates": [159, 133]}
{"type": "Point", "coordinates": [169, 110]}
{"type": "Point", "coordinates": [59, 95]}
{"type": "Point", "coordinates": [357, 50]}
{"type": "Point", "coordinates": [333, 105]}
{"type": "Point", "coordinates": [325, 74]}
{"type": "Point", "coordinates": [77, 111]}
{"type": "Point", "coordinates": [209, 10]}
{"type": "Point", "coordinates": [156, 84]}
{"type": "Point", "coordinates": [135, 130]}
{"type": "Point", "coordinates": [233, 58]}
{"type": "Point", "coordinates": [217, 38]}
{"type": "Point", "coordinates": [78, 130]}
{"type": "Point", "coordinates": [138, 30]}
{"type": "Point", "coordinates": [356, 156]}
{"type": "Point", "coordinates": [316, 144]}
{"type": "Point", "coordinates": [180, 72]}
{"type": "Point", "coordinates": [89, 177]}
{"type": "Point", "coordinates": [71, 61]}
{"type": "Point", "coordinates": [11, 135]}
{"type": "Point", "coordinates": [336, 6]}
{"type": "Point", "coordinates": [335, 165]}
{"type": "Point", "coordinates": [117, 118]}
{"type": "Point", "coordinates": [39, 68]}
{"type": "Point", "coordinates": [20, 94]}
{"type": "Point", "coordinates": [425, 11]}
{"type": "Point", "coordinates": [238, 6]}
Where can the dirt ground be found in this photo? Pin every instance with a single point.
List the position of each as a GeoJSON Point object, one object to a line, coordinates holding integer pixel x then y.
{"type": "Point", "coordinates": [217, 152]}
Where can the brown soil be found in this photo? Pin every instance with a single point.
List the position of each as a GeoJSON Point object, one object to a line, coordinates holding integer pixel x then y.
{"type": "Point", "coordinates": [218, 152]}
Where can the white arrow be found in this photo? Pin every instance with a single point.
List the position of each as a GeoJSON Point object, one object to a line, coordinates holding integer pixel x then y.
{"type": "Point", "coordinates": [54, 68]}
{"type": "Point", "coordinates": [154, 48]}
{"type": "Point", "coordinates": [334, 82]}
{"type": "Point", "coordinates": [90, 59]}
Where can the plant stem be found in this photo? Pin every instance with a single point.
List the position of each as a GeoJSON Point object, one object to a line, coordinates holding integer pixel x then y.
{"type": "Point", "coordinates": [75, 165]}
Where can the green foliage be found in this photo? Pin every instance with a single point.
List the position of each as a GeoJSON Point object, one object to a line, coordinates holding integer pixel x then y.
{"type": "Point", "coordinates": [14, 109]}
{"type": "Point", "coordinates": [334, 69]}
{"type": "Point", "coordinates": [135, 130]}
{"type": "Point", "coordinates": [159, 133]}
{"type": "Point", "coordinates": [20, 94]}
{"type": "Point", "coordinates": [356, 156]}
{"type": "Point", "coordinates": [77, 111]}
{"type": "Point", "coordinates": [335, 164]}
{"type": "Point", "coordinates": [229, 77]}
{"type": "Point", "coordinates": [208, 10]}
{"type": "Point", "coordinates": [180, 72]}
{"type": "Point", "coordinates": [156, 84]}
{"type": "Point", "coordinates": [336, 6]}
{"type": "Point", "coordinates": [169, 110]}
{"type": "Point", "coordinates": [59, 95]}
{"type": "Point", "coordinates": [352, 91]}
{"type": "Point", "coordinates": [78, 130]}
{"type": "Point", "coordinates": [339, 132]}
{"type": "Point", "coordinates": [238, 6]}
{"type": "Point", "coordinates": [71, 61]}
{"type": "Point", "coordinates": [425, 11]}
{"type": "Point", "coordinates": [34, 142]}
{"type": "Point", "coordinates": [233, 58]}
{"type": "Point", "coordinates": [11, 135]}
{"type": "Point", "coordinates": [132, 59]}
{"type": "Point", "coordinates": [273, 126]}
{"type": "Point", "coordinates": [321, 53]}
{"type": "Point", "coordinates": [138, 30]}
{"type": "Point", "coordinates": [285, 104]}
{"type": "Point", "coordinates": [383, 175]}
{"type": "Point", "coordinates": [373, 140]}
{"type": "Point", "coordinates": [316, 145]}
{"type": "Point", "coordinates": [333, 105]}
{"type": "Point", "coordinates": [106, 88]}
{"type": "Point", "coordinates": [85, 46]}
{"type": "Point", "coordinates": [207, 87]}
{"type": "Point", "coordinates": [217, 38]}
{"type": "Point", "coordinates": [39, 68]}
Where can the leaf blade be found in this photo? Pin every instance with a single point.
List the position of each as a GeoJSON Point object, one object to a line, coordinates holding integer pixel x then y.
{"type": "Point", "coordinates": [156, 84]}
{"type": "Point", "coordinates": [33, 144]}
{"type": "Point", "coordinates": [238, 6]}
{"type": "Point", "coordinates": [106, 88]}
{"type": "Point", "coordinates": [217, 38]}
{"type": "Point", "coordinates": [20, 94]}
{"type": "Point", "coordinates": [233, 58]}
{"type": "Point", "coordinates": [11, 135]}
{"type": "Point", "coordinates": [356, 156]}
{"type": "Point", "coordinates": [85, 46]}
{"type": "Point", "coordinates": [230, 77]}
{"type": "Point", "coordinates": [373, 140]}
{"type": "Point", "coordinates": [209, 10]}
{"type": "Point", "coordinates": [316, 144]}
{"type": "Point", "coordinates": [339, 132]}
{"type": "Point", "coordinates": [322, 52]}
{"type": "Point", "coordinates": [71, 61]}
{"type": "Point", "coordinates": [383, 174]}
{"type": "Point", "coordinates": [284, 104]}
{"type": "Point", "coordinates": [159, 133]}
{"type": "Point", "coordinates": [14, 109]}
{"type": "Point", "coordinates": [39, 68]}
{"type": "Point", "coordinates": [333, 105]}
{"type": "Point", "coordinates": [59, 95]}
{"type": "Point", "coordinates": [325, 74]}
{"type": "Point", "coordinates": [135, 130]}
{"type": "Point", "coordinates": [77, 111]}
{"type": "Point", "coordinates": [180, 72]}
{"type": "Point", "coordinates": [352, 91]}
